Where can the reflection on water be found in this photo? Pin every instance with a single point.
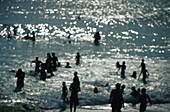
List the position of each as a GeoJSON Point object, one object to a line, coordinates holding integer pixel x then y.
{"type": "Point", "coordinates": [130, 30]}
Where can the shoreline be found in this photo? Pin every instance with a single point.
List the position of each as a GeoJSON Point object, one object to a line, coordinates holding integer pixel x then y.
{"type": "Point", "coordinates": [95, 108]}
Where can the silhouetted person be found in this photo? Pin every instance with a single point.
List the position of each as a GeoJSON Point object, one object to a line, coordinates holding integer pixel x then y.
{"type": "Point", "coordinates": [74, 88]}
{"type": "Point", "coordinates": [118, 66]}
{"type": "Point", "coordinates": [95, 90]}
{"type": "Point", "coordinates": [37, 64]}
{"type": "Point", "coordinates": [64, 92]}
{"type": "Point", "coordinates": [76, 79]}
{"type": "Point", "coordinates": [27, 36]}
{"type": "Point", "coordinates": [145, 75]}
{"type": "Point", "coordinates": [49, 64]}
{"type": "Point", "coordinates": [67, 65]}
{"type": "Point", "coordinates": [43, 74]}
{"type": "Point", "coordinates": [134, 75]}
{"type": "Point", "coordinates": [136, 95]}
{"type": "Point", "coordinates": [15, 31]}
{"type": "Point", "coordinates": [123, 68]}
{"type": "Point", "coordinates": [97, 38]}
{"type": "Point", "coordinates": [143, 100]}
{"type": "Point", "coordinates": [122, 89]}
{"type": "Point", "coordinates": [54, 61]}
{"type": "Point", "coordinates": [78, 58]}
{"type": "Point", "coordinates": [143, 68]}
{"type": "Point", "coordinates": [20, 81]}
{"type": "Point", "coordinates": [33, 38]}
{"type": "Point", "coordinates": [9, 36]}
{"type": "Point", "coordinates": [116, 99]}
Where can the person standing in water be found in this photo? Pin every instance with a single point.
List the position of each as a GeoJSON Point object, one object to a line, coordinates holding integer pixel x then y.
{"type": "Point", "coordinates": [78, 58]}
{"type": "Point", "coordinates": [64, 92]}
{"type": "Point", "coordinates": [54, 61]}
{"type": "Point", "coordinates": [116, 99]}
{"type": "Point", "coordinates": [74, 88]}
{"type": "Point", "coordinates": [20, 81]}
{"type": "Point", "coordinates": [143, 100]}
{"type": "Point", "coordinates": [143, 71]}
{"type": "Point", "coordinates": [123, 68]}
{"type": "Point", "coordinates": [97, 37]}
{"type": "Point", "coordinates": [37, 64]}
{"type": "Point", "coordinates": [49, 64]}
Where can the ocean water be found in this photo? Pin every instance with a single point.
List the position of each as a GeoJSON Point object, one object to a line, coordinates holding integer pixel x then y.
{"type": "Point", "coordinates": [130, 30]}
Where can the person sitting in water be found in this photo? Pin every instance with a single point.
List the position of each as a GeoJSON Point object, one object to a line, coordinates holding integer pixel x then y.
{"type": "Point", "coordinates": [134, 75]}
{"type": "Point", "coordinates": [95, 90]}
{"type": "Point", "coordinates": [67, 65]}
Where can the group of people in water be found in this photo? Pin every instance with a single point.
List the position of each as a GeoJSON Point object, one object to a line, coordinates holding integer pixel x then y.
{"type": "Point", "coordinates": [144, 71]}
{"type": "Point", "coordinates": [116, 99]}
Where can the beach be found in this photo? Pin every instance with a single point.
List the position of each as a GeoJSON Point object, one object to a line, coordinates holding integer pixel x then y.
{"type": "Point", "coordinates": [130, 31]}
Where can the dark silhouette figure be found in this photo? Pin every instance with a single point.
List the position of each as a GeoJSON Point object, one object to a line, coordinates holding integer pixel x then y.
{"type": "Point", "coordinates": [143, 68]}
{"type": "Point", "coordinates": [27, 37]}
{"type": "Point", "coordinates": [136, 95]}
{"type": "Point", "coordinates": [145, 75]}
{"type": "Point", "coordinates": [95, 90]}
{"type": "Point", "coordinates": [33, 38]}
{"type": "Point", "coordinates": [15, 31]}
{"type": "Point", "coordinates": [9, 36]}
{"type": "Point", "coordinates": [143, 100]}
{"type": "Point", "coordinates": [37, 64]}
{"type": "Point", "coordinates": [76, 79]}
{"type": "Point", "coordinates": [67, 65]}
{"type": "Point", "coordinates": [123, 68]}
{"type": "Point", "coordinates": [116, 99]}
{"type": "Point", "coordinates": [134, 75]}
{"type": "Point", "coordinates": [97, 37]}
{"type": "Point", "coordinates": [78, 58]}
{"type": "Point", "coordinates": [122, 89]}
{"type": "Point", "coordinates": [43, 74]}
{"type": "Point", "coordinates": [74, 88]}
{"type": "Point", "coordinates": [20, 81]}
{"type": "Point", "coordinates": [49, 64]}
{"type": "Point", "coordinates": [30, 38]}
{"type": "Point", "coordinates": [54, 61]}
{"type": "Point", "coordinates": [64, 92]}
{"type": "Point", "coordinates": [118, 66]}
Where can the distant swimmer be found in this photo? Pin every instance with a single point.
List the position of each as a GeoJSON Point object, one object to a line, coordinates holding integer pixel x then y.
{"type": "Point", "coordinates": [67, 65]}
{"type": "Point", "coordinates": [95, 90]}
{"type": "Point", "coordinates": [143, 100]}
{"type": "Point", "coordinates": [78, 58]}
{"type": "Point", "coordinates": [97, 37]}
{"type": "Point", "coordinates": [37, 64]}
{"type": "Point", "coordinates": [9, 36]}
{"type": "Point", "coordinates": [20, 81]}
{"type": "Point", "coordinates": [27, 36]}
{"type": "Point", "coordinates": [33, 38]}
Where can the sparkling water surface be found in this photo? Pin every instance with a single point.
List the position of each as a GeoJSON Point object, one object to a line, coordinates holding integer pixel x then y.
{"type": "Point", "coordinates": [130, 30]}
